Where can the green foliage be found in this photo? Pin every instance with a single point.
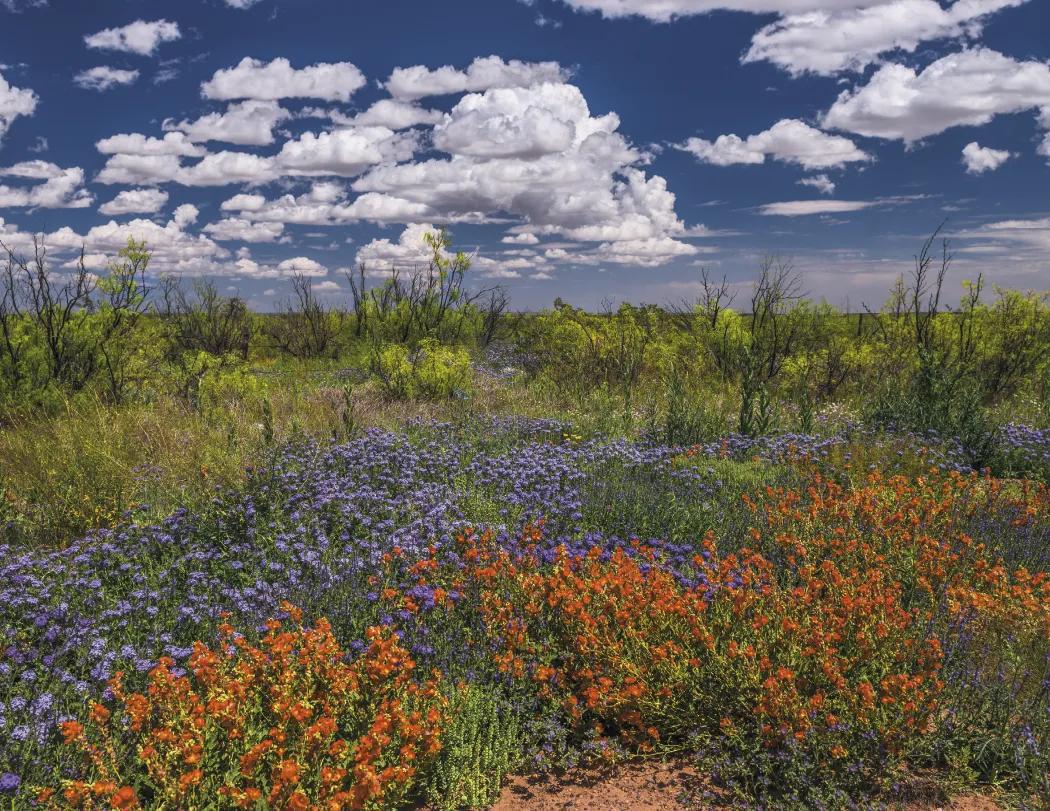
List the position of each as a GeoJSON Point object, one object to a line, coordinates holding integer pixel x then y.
{"type": "Point", "coordinates": [346, 415]}
{"type": "Point", "coordinates": [482, 743]}
{"type": "Point", "coordinates": [61, 336]}
{"type": "Point", "coordinates": [580, 351]}
{"type": "Point", "coordinates": [222, 384]}
{"type": "Point", "coordinates": [758, 413]}
{"type": "Point", "coordinates": [441, 372]}
{"type": "Point", "coordinates": [431, 372]}
{"type": "Point", "coordinates": [681, 376]}
{"type": "Point", "coordinates": [935, 400]}
{"type": "Point", "coordinates": [210, 383]}
{"type": "Point", "coordinates": [944, 391]}
{"type": "Point", "coordinates": [1012, 349]}
{"type": "Point", "coordinates": [689, 418]}
{"type": "Point", "coordinates": [430, 302]}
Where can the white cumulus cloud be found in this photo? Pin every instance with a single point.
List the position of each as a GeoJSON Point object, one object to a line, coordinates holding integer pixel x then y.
{"type": "Point", "coordinates": [980, 159]}
{"type": "Point", "coordinates": [186, 214]}
{"type": "Point", "coordinates": [484, 73]}
{"type": "Point", "coordinates": [14, 102]}
{"type": "Point", "coordinates": [33, 170]}
{"type": "Point", "coordinates": [345, 152]}
{"type": "Point", "coordinates": [650, 252]}
{"type": "Point", "coordinates": [272, 81]}
{"type": "Point", "coordinates": [135, 201]}
{"type": "Point", "coordinates": [174, 143]}
{"type": "Point", "coordinates": [409, 252]}
{"type": "Point", "coordinates": [234, 228]}
{"type": "Point", "coordinates": [789, 140]}
{"type": "Point", "coordinates": [249, 123]}
{"type": "Point", "coordinates": [301, 265]}
{"type": "Point", "coordinates": [523, 238]}
{"type": "Point", "coordinates": [62, 187]}
{"type": "Point", "coordinates": [104, 77]}
{"type": "Point", "coordinates": [393, 114]}
{"type": "Point", "coordinates": [174, 250]}
{"type": "Point", "coordinates": [968, 88]}
{"type": "Point", "coordinates": [520, 148]}
{"type": "Point", "coordinates": [834, 38]}
{"type": "Point", "coordinates": [216, 169]}
{"type": "Point", "coordinates": [140, 37]}
{"type": "Point", "coordinates": [821, 183]}
{"type": "Point", "coordinates": [516, 122]}
{"type": "Point", "coordinates": [324, 204]}
{"type": "Point", "coordinates": [590, 190]}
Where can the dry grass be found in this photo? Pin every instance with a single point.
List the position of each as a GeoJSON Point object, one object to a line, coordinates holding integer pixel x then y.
{"type": "Point", "coordinates": [86, 466]}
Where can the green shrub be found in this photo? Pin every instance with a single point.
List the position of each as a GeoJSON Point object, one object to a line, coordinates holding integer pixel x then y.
{"type": "Point", "coordinates": [689, 419]}
{"type": "Point", "coordinates": [937, 400]}
{"type": "Point", "coordinates": [72, 332]}
{"type": "Point", "coordinates": [223, 384]}
{"type": "Point", "coordinates": [481, 744]}
{"type": "Point", "coordinates": [432, 372]}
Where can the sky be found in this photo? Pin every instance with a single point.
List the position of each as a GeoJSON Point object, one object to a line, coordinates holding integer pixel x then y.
{"type": "Point", "coordinates": [593, 150]}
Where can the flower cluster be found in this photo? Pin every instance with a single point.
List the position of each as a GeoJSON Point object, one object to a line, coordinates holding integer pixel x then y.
{"type": "Point", "coordinates": [290, 723]}
{"type": "Point", "coordinates": [778, 607]}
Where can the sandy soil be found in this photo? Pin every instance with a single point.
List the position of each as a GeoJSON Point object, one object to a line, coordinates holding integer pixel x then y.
{"type": "Point", "coordinates": [654, 786]}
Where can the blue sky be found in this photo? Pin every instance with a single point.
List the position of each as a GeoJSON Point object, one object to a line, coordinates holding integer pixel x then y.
{"type": "Point", "coordinates": [589, 149]}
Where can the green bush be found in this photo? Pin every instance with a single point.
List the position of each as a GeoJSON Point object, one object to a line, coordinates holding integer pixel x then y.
{"type": "Point", "coordinates": [432, 372]}
{"type": "Point", "coordinates": [481, 745]}
{"type": "Point", "coordinates": [689, 418]}
{"type": "Point", "coordinates": [222, 384]}
{"type": "Point", "coordinates": [65, 333]}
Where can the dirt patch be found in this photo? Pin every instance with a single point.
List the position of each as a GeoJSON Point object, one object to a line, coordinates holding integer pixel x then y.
{"type": "Point", "coordinates": [651, 785]}
{"type": "Point", "coordinates": [659, 786]}
{"type": "Point", "coordinates": [964, 802]}
{"type": "Point", "coordinates": [974, 803]}
{"type": "Point", "coordinates": [924, 793]}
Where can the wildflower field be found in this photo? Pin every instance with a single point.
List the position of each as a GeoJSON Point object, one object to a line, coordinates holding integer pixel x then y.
{"type": "Point", "coordinates": [525, 405]}
{"type": "Point", "coordinates": [395, 556]}
{"type": "Point", "coordinates": [406, 617]}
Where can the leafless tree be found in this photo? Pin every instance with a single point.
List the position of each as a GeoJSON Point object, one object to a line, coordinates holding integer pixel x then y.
{"type": "Point", "coordinates": [305, 328]}
{"type": "Point", "coordinates": [714, 298]}
{"type": "Point", "coordinates": [774, 332]}
{"type": "Point", "coordinates": [949, 359]}
{"type": "Point", "coordinates": [359, 294]}
{"type": "Point", "coordinates": [207, 321]}
{"type": "Point", "coordinates": [492, 314]}
{"type": "Point", "coordinates": [81, 322]}
{"type": "Point", "coordinates": [775, 327]}
{"type": "Point", "coordinates": [50, 308]}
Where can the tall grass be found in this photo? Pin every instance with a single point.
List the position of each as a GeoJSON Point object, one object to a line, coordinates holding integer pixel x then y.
{"type": "Point", "coordinates": [91, 463]}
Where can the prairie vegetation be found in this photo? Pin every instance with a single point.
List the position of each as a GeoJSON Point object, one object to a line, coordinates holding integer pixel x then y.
{"type": "Point", "coordinates": [386, 553]}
